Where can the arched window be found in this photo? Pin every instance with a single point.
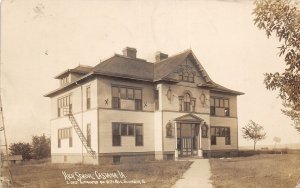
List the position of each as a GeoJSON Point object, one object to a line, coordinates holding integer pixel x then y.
{"type": "Point", "coordinates": [186, 103]}
{"type": "Point", "coordinates": [169, 129]}
{"type": "Point", "coordinates": [186, 76]}
{"type": "Point", "coordinates": [204, 130]}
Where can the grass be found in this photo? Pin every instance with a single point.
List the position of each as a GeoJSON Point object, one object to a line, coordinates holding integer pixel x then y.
{"type": "Point", "coordinates": [265, 170]}
{"type": "Point", "coordinates": [44, 174]}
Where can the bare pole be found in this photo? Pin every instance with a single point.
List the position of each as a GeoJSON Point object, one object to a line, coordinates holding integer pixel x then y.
{"type": "Point", "coordinates": [10, 183]}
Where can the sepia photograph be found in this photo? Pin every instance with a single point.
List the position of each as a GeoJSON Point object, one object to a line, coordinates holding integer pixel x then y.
{"type": "Point", "coordinates": [150, 94]}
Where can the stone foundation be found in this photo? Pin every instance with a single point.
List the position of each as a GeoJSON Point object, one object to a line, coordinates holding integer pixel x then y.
{"type": "Point", "coordinates": [109, 158]}
{"type": "Point", "coordinates": [220, 153]}
{"type": "Point", "coordinates": [131, 157]}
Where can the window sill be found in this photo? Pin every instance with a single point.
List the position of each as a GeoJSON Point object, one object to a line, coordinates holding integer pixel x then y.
{"type": "Point", "coordinates": [121, 109]}
{"type": "Point", "coordinates": [128, 135]}
{"type": "Point", "coordinates": [220, 116]}
{"type": "Point", "coordinates": [170, 136]}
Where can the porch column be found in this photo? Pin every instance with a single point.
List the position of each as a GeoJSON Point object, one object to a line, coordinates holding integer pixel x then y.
{"type": "Point", "coordinates": [200, 152]}
{"type": "Point", "coordinates": [176, 149]}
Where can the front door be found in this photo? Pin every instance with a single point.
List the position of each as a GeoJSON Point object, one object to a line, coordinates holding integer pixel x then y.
{"type": "Point", "coordinates": [187, 139]}
{"type": "Point", "coordinates": [187, 146]}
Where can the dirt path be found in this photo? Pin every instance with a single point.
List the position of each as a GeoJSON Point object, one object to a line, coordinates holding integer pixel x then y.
{"type": "Point", "coordinates": [197, 176]}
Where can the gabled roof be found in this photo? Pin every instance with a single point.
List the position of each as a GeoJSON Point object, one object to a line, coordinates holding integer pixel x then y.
{"type": "Point", "coordinates": [167, 66]}
{"type": "Point", "coordinates": [80, 69]}
{"type": "Point", "coordinates": [140, 69]}
{"type": "Point", "coordinates": [189, 117]}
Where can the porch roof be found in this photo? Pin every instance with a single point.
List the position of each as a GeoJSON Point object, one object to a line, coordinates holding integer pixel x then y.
{"type": "Point", "coordinates": [188, 118]}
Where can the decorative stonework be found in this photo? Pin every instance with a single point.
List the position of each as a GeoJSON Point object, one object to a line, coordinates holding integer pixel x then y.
{"type": "Point", "coordinates": [203, 99]}
{"type": "Point", "coordinates": [169, 95]}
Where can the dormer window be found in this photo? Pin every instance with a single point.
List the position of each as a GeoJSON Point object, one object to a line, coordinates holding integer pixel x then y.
{"type": "Point", "coordinates": [186, 76]}
{"type": "Point", "coordinates": [65, 80]}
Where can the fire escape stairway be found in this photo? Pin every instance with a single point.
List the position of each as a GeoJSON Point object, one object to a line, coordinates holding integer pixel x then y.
{"type": "Point", "coordinates": [80, 134]}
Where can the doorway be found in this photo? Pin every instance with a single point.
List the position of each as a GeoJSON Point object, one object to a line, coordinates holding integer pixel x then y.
{"type": "Point", "coordinates": [187, 139]}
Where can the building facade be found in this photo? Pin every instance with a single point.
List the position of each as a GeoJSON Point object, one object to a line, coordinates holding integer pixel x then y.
{"type": "Point", "coordinates": [126, 109]}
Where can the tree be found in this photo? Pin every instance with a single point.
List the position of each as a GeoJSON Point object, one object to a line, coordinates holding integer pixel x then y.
{"type": "Point", "coordinates": [282, 18]}
{"type": "Point", "coordinates": [277, 140]}
{"type": "Point", "coordinates": [253, 131]}
{"type": "Point", "coordinates": [21, 148]}
{"type": "Point", "coordinates": [40, 147]}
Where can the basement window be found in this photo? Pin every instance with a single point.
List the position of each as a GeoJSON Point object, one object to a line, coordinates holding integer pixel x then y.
{"type": "Point", "coordinates": [116, 159]}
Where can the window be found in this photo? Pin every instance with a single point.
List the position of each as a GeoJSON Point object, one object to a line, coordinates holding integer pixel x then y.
{"type": "Point", "coordinates": [180, 75]}
{"type": "Point", "coordinates": [123, 129]}
{"type": "Point", "coordinates": [213, 139]}
{"type": "Point", "coordinates": [139, 135]}
{"type": "Point", "coordinates": [88, 134]}
{"type": "Point", "coordinates": [191, 77]}
{"type": "Point", "coordinates": [88, 97]}
{"type": "Point", "coordinates": [138, 99]}
{"type": "Point", "coordinates": [70, 139]}
{"type": "Point", "coordinates": [127, 129]}
{"type": "Point", "coordinates": [125, 93]}
{"type": "Point", "coordinates": [227, 136]}
{"type": "Point", "coordinates": [212, 107]}
{"type": "Point", "coordinates": [193, 105]}
{"type": "Point", "coordinates": [169, 129]}
{"type": "Point", "coordinates": [186, 76]}
{"type": "Point", "coordinates": [204, 130]}
{"type": "Point", "coordinates": [116, 159]}
{"type": "Point", "coordinates": [115, 97]}
{"type": "Point", "coordinates": [226, 107]}
{"type": "Point", "coordinates": [170, 157]}
{"type": "Point", "coordinates": [156, 98]}
{"type": "Point", "coordinates": [220, 132]}
{"type": "Point", "coordinates": [129, 93]}
{"type": "Point", "coordinates": [65, 133]}
{"type": "Point", "coordinates": [219, 103]}
{"type": "Point", "coordinates": [64, 105]}
{"type": "Point", "coordinates": [186, 103]}
{"type": "Point", "coordinates": [116, 134]}
{"type": "Point", "coordinates": [64, 80]}
{"type": "Point", "coordinates": [130, 129]}
{"type": "Point", "coordinates": [59, 140]}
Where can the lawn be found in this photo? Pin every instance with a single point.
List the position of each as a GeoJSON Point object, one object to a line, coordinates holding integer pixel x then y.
{"type": "Point", "coordinates": [267, 170]}
{"type": "Point", "coordinates": [150, 174]}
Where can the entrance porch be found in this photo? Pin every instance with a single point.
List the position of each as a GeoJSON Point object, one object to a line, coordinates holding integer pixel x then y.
{"type": "Point", "coordinates": [188, 135]}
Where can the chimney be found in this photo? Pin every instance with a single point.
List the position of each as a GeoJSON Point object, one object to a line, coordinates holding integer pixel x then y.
{"type": "Point", "coordinates": [129, 52]}
{"type": "Point", "coordinates": [160, 56]}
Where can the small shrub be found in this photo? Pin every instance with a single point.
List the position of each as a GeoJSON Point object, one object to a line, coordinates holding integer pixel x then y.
{"type": "Point", "coordinates": [21, 148]}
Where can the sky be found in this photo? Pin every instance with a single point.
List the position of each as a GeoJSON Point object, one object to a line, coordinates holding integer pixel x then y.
{"type": "Point", "coordinates": [42, 38]}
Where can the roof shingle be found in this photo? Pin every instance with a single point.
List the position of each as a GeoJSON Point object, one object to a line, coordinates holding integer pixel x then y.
{"type": "Point", "coordinates": [140, 69]}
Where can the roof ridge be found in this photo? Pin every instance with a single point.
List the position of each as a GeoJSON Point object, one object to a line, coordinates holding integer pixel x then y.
{"type": "Point", "coordinates": [137, 59]}
{"type": "Point", "coordinates": [81, 65]}
{"type": "Point", "coordinates": [174, 55]}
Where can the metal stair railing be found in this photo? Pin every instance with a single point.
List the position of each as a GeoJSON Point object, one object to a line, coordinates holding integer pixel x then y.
{"type": "Point", "coordinates": [67, 112]}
